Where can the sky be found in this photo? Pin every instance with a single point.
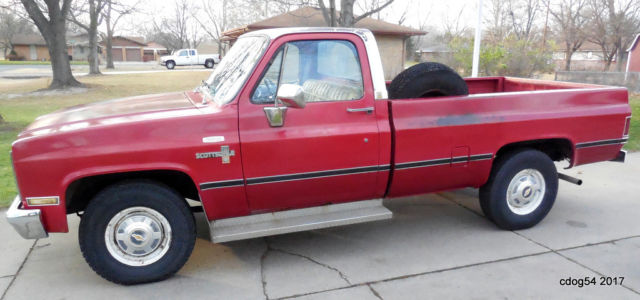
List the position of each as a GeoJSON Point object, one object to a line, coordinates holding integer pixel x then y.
{"type": "Point", "coordinates": [432, 13]}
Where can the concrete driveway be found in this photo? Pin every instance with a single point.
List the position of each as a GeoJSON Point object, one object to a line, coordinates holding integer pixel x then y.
{"type": "Point", "coordinates": [436, 246]}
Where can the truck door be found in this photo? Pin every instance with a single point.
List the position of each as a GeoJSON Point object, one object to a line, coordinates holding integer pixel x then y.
{"type": "Point", "coordinates": [193, 57]}
{"type": "Point", "coordinates": [183, 58]}
{"type": "Point", "coordinates": [326, 152]}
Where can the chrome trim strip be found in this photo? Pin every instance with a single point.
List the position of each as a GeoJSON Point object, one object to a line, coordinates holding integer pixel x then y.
{"type": "Point", "coordinates": [309, 175]}
{"type": "Point", "coordinates": [625, 127]}
{"type": "Point", "coordinates": [384, 167]}
{"type": "Point", "coordinates": [339, 172]}
{"type": "Point", "coordinates": [601, 143]}
{"type": "Point", "coordinates": [442, 161]}
{"type": "Point", "coordinates": [27, 222]}
{"type": "Point", "coordinates": [221, 184]}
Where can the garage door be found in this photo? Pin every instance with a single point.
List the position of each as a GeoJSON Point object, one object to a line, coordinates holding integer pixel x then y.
{"type": "Point", "coordinates": [117, 54]}
{"type": "Point", "coordinates": [134, 55]}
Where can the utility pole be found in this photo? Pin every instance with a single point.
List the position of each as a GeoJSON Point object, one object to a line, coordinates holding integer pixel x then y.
{"type": "Point", "coordinates": [476, 42]}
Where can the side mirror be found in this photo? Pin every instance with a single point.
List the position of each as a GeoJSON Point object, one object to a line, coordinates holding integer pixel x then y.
{"type": "Point", "coordinates": [291, 95]}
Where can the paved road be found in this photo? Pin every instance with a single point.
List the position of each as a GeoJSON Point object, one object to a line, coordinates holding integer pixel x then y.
{"type": "Point", "coordinates": [436, 246]}
{"type": "Point", "coordinates": [37, 71]}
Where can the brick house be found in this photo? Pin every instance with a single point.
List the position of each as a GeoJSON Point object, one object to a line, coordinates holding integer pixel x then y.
{"type": "Point", "coordinates": [390, 37]}
{"type": "Point", "coordinates": [127, 48]}
{"type": "Point", "coordinates": [134, 48]}
{"type": "Point", "coordinates": [30, 47]}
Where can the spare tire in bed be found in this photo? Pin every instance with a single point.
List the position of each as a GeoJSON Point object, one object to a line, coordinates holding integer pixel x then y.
{"type": "Point", "coordinates": [427, 79]}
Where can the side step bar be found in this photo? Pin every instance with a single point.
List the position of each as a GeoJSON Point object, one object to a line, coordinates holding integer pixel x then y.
{"type": "Point", "coordinates": [253, 226]}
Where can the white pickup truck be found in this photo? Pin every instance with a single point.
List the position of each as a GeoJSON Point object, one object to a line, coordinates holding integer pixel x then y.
{"type": "Point", "coordinates": [187, 57]}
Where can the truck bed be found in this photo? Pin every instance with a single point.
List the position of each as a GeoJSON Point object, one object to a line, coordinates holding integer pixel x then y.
{"type": "Point", "coordinates": [450, 142]}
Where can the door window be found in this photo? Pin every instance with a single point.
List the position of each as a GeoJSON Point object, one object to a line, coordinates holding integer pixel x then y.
{"type": "Point", "coordinates": [193, 52]}
{"type": "Point", "coordinates": [183, 53]}
{"type": "Point", "coordinates": [327, 70]}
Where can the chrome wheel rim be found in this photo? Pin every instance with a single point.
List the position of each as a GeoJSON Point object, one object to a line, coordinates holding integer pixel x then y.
{"type": "Point", "coordinates": [526, 191]}
{"type": "Point", "coordinates": [138, 236]}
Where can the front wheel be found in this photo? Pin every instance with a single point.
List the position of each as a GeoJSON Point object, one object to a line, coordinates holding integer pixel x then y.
{"type": "Point", "coordinates": [521, 189]}
{"type": "Point", "coordinates": [170, 65]}
{"type": "Point", "coordinates": [137, 232]}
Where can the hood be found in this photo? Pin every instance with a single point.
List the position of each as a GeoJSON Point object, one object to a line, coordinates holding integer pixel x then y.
{"type": "Point", "coordinates": [127, 108]}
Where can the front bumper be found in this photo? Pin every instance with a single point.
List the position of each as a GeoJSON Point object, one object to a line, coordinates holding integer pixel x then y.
{"type": "Point", "coordinates": [27, 222]}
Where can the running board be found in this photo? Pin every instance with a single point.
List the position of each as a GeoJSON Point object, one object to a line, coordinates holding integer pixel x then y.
{"type": "Point", "coordinates": [295, 220]}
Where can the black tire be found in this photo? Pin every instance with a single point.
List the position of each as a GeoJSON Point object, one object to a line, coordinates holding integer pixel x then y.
{"type": "Point", "coordinates": [428, 79]}
{"type": "Point", "coordinates": [209, 64]}
{"type": "Point", "coordinates": [493, 195]}
{"type": "Point", "coordinates": [127, 195]}
{"type": "Point", "coordinates": [170, 65]}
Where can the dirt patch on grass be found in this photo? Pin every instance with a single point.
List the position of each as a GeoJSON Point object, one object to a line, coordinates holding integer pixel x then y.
{"type": "Point", "coordinates": [45, 93]}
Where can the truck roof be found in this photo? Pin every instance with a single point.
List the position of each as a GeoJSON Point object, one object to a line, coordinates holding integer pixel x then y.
{"type": "Point", "coordinates": [277, 32]}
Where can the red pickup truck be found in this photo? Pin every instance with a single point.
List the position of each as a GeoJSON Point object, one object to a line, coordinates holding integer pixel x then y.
{"type": "Point", "coordinates": [295, 131]}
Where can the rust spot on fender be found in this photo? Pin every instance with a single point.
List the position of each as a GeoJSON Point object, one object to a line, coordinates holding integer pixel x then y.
{"type": "Point", "coordinates": [467, 119]}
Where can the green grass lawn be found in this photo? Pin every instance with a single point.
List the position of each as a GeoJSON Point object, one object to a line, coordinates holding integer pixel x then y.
{"type": "Point", "coordinates": [19, 112]}
{"type": "Point", "coordinates": [37, 62]}
{"type": "Point", "coordinates": [634, 132]}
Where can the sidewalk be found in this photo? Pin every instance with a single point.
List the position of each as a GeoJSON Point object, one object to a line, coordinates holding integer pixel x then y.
{"type": "Point", "coordinates": [436, 246]}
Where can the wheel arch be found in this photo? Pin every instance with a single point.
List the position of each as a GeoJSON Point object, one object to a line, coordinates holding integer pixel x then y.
{"type": "Point", "coordinates": [80, 191]}
{"type": "Point", "coordinates": [557, 149]}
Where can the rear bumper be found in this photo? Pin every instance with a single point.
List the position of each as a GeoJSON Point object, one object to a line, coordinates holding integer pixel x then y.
{"type": "Point", "coordinates": [621, 156]}
{"type": "Point", "coordinates": [27, 222]}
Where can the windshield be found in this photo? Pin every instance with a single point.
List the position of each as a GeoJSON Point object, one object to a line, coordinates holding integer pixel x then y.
{"type": "Point", "coordinates": [229, 76]}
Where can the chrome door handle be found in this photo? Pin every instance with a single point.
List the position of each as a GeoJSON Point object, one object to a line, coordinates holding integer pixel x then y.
{"type": "Point", "coordinates": [364, 109]}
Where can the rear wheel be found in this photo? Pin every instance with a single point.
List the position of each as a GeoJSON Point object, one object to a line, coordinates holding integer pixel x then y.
{"type": "Point", "coordinates": [137, 232]}
{"type": "Point", "coordinates": [521, 189]}
{"type": "Point", "coordinates": [209, 64]}
{"type": "Point", "coordinates": [428, 79]}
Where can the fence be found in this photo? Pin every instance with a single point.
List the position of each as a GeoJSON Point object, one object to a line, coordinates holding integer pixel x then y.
{"type": "Point", "coordinates": [630, 80]}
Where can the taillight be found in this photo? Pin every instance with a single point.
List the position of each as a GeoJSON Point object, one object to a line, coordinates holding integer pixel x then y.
{"type": "Point", "coordinates": [627, 125]}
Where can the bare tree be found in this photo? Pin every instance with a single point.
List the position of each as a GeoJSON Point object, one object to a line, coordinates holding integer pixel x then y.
{"type": "Point", "coordinates": [213, 20]}
{"type": "Point", "coordinates": [112, 13]}
{"type": "Point", "coordinates": [92, 9]}
{"type": "Point", "coordinates": [453, 27]}
{"type": "Point", "coordinates": [346, 17]}
{"type": "Point", "coordinates": [496, 21]}
{"type": "Point", "coordinates": [569, 19]}
{"type": "Point", "coordinates": [613, 26]}
{"type": "Point", "coordinates": [11, 25]}
{"type": "Point", "coordinates": [180, 30]}
{"type": "Point", "coordinates": [522, 14]}
{"type": "Point", "coordinates": [50, 18]}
